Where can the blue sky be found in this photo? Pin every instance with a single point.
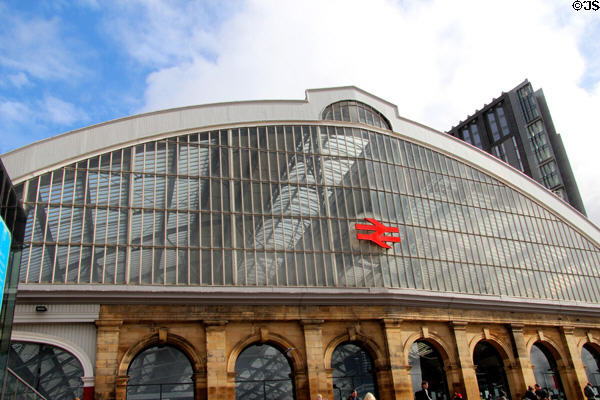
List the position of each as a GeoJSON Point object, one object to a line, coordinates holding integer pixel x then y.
{"type": "Point", "coordinates": [69, 64]}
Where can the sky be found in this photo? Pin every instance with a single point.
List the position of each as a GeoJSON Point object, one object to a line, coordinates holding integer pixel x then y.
{"type": "Point", "coordinates": [70, 64]}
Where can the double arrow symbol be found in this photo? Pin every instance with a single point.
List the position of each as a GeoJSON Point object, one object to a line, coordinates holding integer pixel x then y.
{"type": "Point", "coordinates": [377, 236]}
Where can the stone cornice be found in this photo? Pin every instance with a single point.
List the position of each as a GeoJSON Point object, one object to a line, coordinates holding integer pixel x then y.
{"type": "Point", "coordinates": [160, 295]}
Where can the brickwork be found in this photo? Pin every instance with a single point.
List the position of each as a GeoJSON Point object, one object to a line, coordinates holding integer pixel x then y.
{"type": "Point", "coordinates": [213, 336]}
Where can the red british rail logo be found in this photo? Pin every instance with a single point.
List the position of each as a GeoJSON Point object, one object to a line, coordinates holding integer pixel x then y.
{"type": "Point", "coordinates": [377, 236]}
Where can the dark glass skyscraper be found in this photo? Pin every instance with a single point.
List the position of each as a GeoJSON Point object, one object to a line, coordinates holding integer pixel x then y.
{"type": "Point", "coordinates": [517, 128]}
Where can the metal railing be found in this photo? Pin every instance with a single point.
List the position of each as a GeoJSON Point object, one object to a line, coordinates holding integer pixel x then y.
{"type": "Point", "coordinates": [161, 391]}
{"type": "Point", "coordinates": [15, 388]}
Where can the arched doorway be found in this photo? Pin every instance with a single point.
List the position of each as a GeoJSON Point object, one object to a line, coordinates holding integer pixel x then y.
{"type": "Point", "coordinates": [546, 371]}
{"type": "Point", "coordinates": [160, 372]}
{"type": "Point", "coordinates": [426, 364]}
{"type": "Point", "coordinates": [591, 362]}
{"type": "Point", "coordinates": [262, 372]}
{"type": "Point", "coordinates": [352, 369]}
{"type": "Point", "coordinates": [491, 376]}
{"type": "Point", "coordinates": [52, 371]}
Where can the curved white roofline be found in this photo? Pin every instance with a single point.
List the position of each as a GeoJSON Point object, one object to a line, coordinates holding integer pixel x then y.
{"type": "Point", "coordinates": [55, 152]}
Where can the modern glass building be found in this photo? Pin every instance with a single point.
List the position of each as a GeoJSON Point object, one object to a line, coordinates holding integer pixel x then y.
{"type": "Point", "coordinates": [517, 128]}
{"type": "Point", "coordinates": [281, 249]}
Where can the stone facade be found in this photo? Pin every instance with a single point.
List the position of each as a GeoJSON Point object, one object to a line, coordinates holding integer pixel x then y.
{"type": "Point", "coordinates": [213, 336]}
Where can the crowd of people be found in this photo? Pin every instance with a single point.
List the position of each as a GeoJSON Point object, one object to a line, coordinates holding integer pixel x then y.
{"type": "Point", "coordinates": [535, 392]}
{"type": "Point", "coordinates": [353, 396]}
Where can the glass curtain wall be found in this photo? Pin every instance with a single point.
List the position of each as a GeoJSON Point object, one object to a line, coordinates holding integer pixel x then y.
{"type": "Point", "coordinates": [546, 371]}
{"type": "Point", "coordinates": [491, 376]}
{"type": "Point", "coordinates": [277, 206]}
{"type": "Point", "coordinates": [591, 362]}
{"type": "Point", "coordinates": [426, 364]}
{"type": "Point", "coordinates": [160, 372]}
{"type": "Point", "coordinates": [52, 371]}
{"type": "Point", "coordinates": [263, 372]}
{"type": "Point", "coordinates": [353, 369]}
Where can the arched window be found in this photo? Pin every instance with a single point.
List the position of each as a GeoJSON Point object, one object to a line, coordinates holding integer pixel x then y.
{"type": "Point", "coordinates": [491, 376]}
{"type": "Point", "coordinates": [355, 111]}
{"type": "Point", "coordinates": [160, 372]}
{"type": "Point", "coordinates": [52, 371]}
{"type": "Point", "coordinates": [546, 371]}
{"type": "Point", "coordinates": [426, 364]}
{"type": "Point", "coordinates": [263, 372]}
{"type": "Point", "coordinates": [591, 361]}
{"type": "Point", "coordinates": [352, 370]}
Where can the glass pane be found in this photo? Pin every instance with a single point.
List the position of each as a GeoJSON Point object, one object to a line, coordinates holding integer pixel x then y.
{"type": "Point", "coordinates": [263, 372]}
{"type": "Point", "coordinates": [52, 371]}
{"type": "Point", "coordinates": [160, 373]}
{"type": "Point", "coordinates": [353, 369]}
{"type": "Point", "coordinates": [426, 364]}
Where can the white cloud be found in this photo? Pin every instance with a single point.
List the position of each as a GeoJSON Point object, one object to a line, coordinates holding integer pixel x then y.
{"type": "Point", "coordinates": [438, 61]}
{"type": "Point", "coordinates": [37, 46]}
{"type": "Point", "coordinates": [58, 111]}
{"type": "Point", "coordinates": [14, 111]}
{"type": "Point", "coordinates": [19, 79]}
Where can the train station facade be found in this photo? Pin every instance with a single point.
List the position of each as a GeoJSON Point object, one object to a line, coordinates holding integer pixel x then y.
{"type": "Point", "coordinates": [281, 249]}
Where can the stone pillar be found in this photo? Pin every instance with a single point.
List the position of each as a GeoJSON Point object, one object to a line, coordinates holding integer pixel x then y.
{"type": "Point", "coordinates": [315, 367]}
{"type": "Point", "coordinates": [574, 370]}
{"type": "Point", "coordinates": [523, 372]}
{"type": "Point", "coordinates": [454, 378]}
{"type": "Point", "coordinates": [399, 370]}
{"type": "Point", "coordinates": [216, 361]}
{"type": "Point", "coordinates": [199, 380]}
{"type": "Point", "coordinates": [121, 387]}
{"type": "Point", "coordinates": [107, 360]}
{"type": "Point", "coordinates": [516, 387]}
{"type": "Point", "coordinates": [465, 358]}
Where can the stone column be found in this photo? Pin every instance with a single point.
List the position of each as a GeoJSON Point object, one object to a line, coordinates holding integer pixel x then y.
{"type": "Point", "coordinates": [465, 358]}
{"type": "Point", "coordinates": [107, 361]}
{"type": "Point", "coordinates": [315, 367]}
{"type": "Point", "coordinates": [121, 387]}
{"type": "Point", "coordinates": [399, 370]}
{"type": "Point", "coordinates": [523, 372]}
{"type": "Point", "coordinates": [216, 361]}
{"type": "Point", "coordinates": [574, 370]}
{"type": "Point", "coordinates": [199, 380]}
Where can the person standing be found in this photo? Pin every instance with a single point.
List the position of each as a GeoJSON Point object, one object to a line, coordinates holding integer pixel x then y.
{"type": "Point", "coordinates": [589, 391]}
{"type": "Point", "coordinates": [369, 396]}
{"type": "Point", "coordinates": [423, 394]}
{"type": "Point", "coordinates": [540, 392]}
{"type": "Point", "coordinates": [353, 395]}
{"type": "Point", "coordinates": [502, 396]}
{"type": "Point", "coordinates": [530, 394]}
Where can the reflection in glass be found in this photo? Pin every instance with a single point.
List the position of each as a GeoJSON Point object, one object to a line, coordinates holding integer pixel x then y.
{"type": "Point", "coordinates": [426, 364]}
{"type": "Point", "coordinates": [52, 371]}
{"type": "Point", "coordinates": [263, 372]}
{"type": "Point", "coordinates": [276, 205]}
{"type": "Point", "coordinates": [491, 376]}
{"type": "Point", "coordinates": [591, 361]}
{"type": "Point", "coordinates": [546, 371]}
{"type": "Point", "coordinates": [353, 369]}
{"type": "Point", "coordinates": [160, 373]}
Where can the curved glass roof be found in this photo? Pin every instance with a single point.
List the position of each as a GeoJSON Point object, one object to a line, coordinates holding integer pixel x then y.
{"type": "Point", "coordinates": [277, 205]}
